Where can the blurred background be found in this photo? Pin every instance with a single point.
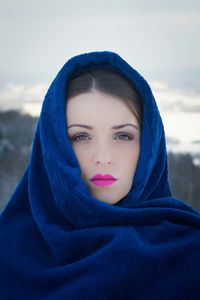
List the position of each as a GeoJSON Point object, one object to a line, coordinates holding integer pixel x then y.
{"type": "Point", "coordinates": [160, 39]}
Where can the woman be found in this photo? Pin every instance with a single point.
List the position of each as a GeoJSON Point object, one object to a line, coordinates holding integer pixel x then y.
{"type": "Point", "coordinates": [104, 148]}
{"type": "Point", "coordinates": [68, 234]}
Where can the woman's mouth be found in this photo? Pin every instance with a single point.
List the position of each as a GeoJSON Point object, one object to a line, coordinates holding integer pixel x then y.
{"type": "Point", "coordinates": [103, 180]}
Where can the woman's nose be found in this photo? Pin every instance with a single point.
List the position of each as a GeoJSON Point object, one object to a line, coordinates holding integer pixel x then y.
{"type": "Point", "coordinates": [103, 156]}
{"type": "Point", "coordinates": [100, 162]}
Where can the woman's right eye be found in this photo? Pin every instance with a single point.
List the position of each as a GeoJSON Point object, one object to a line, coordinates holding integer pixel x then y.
{"type": "Point", "coordinates": [79, 137]}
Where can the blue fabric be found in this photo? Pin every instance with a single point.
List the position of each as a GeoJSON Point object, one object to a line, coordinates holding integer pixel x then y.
{"type": "Point", "coordinates": [58, 242]}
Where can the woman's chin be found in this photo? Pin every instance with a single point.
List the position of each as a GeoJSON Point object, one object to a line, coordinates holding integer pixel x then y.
{"type": "Point", "coordinates": [105, 198]}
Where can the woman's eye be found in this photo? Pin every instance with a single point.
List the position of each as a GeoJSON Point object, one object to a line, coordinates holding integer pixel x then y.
{"type": "Point", "coordinates": [83, 137]}
{"type": "Point", "coordinates": [125, 137]}
{"type": "Point", "coordinates": [79, 137]}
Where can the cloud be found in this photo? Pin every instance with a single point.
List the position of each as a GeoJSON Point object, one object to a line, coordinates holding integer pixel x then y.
{"type": "Point", "coordinates": [29, 97]}
{"type": "Point", "coordinates": [16, 96]}
{"type": "Point", "coordinates": [175, 100]}
{"type": "Point", "coordinates": [188, 18]}
{"type": "Point", "coordinates": [22, 96]}
{"type": "Point", "coordinates": [180, 110]}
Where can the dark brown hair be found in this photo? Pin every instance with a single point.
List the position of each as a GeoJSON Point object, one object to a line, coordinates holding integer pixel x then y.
{"type": "Point", "coordinates": [107, 82]}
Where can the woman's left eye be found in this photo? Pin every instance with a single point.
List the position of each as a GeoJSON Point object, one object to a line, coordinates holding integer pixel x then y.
{"type": "Point", "coordinates": [125, 137]}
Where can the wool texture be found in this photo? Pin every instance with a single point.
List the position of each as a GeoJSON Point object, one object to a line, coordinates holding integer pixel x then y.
{"type": "Point", "coordinates": [59, 242]}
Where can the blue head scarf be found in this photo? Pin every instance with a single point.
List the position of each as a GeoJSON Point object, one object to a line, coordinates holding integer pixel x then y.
{"type": "Point", "coordinates": [59, 242]}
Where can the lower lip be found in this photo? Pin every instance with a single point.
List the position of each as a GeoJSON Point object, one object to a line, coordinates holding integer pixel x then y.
{"type": "Point", "coordinates": [100, 182]}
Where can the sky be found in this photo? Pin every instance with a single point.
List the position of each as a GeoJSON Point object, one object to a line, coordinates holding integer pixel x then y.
{"type": "Point", "coordinates": [160, 39]}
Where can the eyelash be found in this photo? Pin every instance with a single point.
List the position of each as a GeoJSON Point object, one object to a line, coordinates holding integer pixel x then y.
{"type": "Point", "coordinates": [74, 138]}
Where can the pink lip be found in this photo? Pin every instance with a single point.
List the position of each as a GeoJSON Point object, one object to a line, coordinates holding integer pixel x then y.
{"type": "Point", "coordinates": [103, 180]}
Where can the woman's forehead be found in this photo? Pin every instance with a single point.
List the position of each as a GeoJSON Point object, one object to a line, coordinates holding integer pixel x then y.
{"type": "Point", "coordinates": [98, 108]}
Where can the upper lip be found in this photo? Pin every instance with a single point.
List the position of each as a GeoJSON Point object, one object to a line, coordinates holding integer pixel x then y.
{"type": "Point", "coordinates": [103, 177]}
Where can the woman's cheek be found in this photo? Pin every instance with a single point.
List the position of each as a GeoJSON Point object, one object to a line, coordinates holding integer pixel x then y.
{"type": "Point", "coordinates": [82, 154]}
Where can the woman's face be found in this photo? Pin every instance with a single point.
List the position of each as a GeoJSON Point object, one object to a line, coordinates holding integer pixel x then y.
{"type": "Point", "coordinates": [100, 148]}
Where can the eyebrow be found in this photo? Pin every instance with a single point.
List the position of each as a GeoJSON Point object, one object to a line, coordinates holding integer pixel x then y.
{"type": "Point", "coordinates": [113, 127]}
